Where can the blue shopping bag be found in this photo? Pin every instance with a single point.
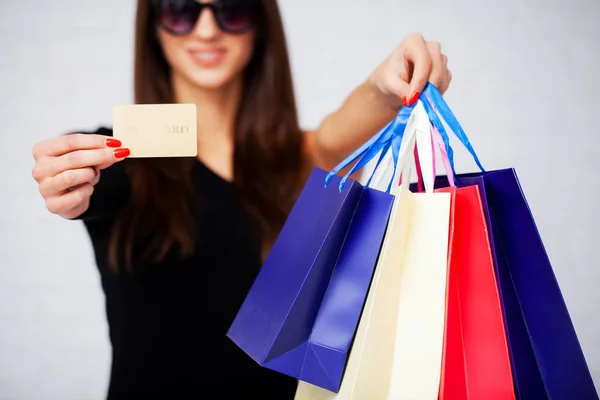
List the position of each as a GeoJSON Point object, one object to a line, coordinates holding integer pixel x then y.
{"type": "Point", "coordinates": [546, 356]}
{"type": "Point", "coordinates": [301, 314]}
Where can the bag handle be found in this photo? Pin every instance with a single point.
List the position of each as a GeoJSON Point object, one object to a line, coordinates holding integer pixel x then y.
{"type": "Point", "coordinates": [394, 146]}
{"type": "Point", "coordinates": [392, 135]}
{"type": "Point", "coordinates": [417, 135]}
{"type": "Point", "coordinates": [381, 175]}
{"type": "Point", "coordinates": [443, 155]}
{"type": "Point", "coordinates": [378, 140]}
{"type": "Point", "coordinates": [436, 137]}
{"type": "Point", "coordinates": [434, 103]}
{"type": "Point", "coordinates": [379, 143]}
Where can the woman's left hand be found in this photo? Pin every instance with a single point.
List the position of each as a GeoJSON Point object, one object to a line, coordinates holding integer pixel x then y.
{"type": "Point", "coordinates": [403, 75]}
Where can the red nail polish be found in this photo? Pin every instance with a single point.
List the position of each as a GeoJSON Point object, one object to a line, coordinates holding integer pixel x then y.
{"type": "Point", "coordinates": [113, 142]}
{"type": "Point", "coordinates": [414, 98]}
{"type": "Point", "coordinates": [121, 153]}
{"type": "Point", "coordinates": [404, 101]}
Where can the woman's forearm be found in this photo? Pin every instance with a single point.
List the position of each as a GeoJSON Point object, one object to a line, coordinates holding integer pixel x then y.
{"type": "Point", "coordinates": [363, 114]}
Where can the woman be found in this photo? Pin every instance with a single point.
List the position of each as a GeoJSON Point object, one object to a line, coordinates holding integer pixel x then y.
{"type": "Point", "coordinates": [178, 242]}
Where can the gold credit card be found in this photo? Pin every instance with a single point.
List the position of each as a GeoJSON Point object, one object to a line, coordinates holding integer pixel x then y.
{"type": "Point", "coordinates": [156, 130]}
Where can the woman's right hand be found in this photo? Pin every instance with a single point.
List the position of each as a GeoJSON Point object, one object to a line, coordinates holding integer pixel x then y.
{"type": "Point", "coordinates": [68, 167]}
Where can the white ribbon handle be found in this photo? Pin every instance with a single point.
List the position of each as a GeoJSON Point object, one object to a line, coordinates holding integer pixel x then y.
{"type": "Point", "coordinates": [383, 173]}
{"type": "Point", "coordinates": [418, 132]}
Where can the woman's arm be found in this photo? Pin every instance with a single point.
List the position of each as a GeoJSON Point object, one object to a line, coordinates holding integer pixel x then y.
{"type": "Point", "coordinates": [397, 81]}
{"type": "Point", "coordinates": [361, 115]}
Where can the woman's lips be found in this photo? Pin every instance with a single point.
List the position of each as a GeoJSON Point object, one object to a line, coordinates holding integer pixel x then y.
{"type": "Point", "coordinates": [207, 57]}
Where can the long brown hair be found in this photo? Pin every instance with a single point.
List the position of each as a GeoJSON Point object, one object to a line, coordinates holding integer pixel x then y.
{"type": "Point", "coordinates": [268, 149]}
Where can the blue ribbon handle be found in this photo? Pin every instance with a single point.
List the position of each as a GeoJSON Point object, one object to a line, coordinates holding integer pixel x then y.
{"type": "Point", "coordinates": [384, 151]}
{"type": "Point", "coordinates": [398, 134]}
{"type": "Point", "coordinates": [435, 120]}
{"type": "Point", "coordinates": [377, 140]}
{"type": "Point", "coordinates": [389, 136]}
{"type": "Point", "coordinates": [430, 93]}
{"type": "Point", "coordinates": [380, 146]}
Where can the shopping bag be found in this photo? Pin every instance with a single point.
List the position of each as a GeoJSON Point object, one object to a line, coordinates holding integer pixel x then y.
{"type": "Point", "coordinates": [476, 363]}
{"type": "Point", "coordinates": [547, 358]}
{"type": "Point", "coordinates": [475, 335]}
{"type": "Point", "coordinates": [547, 361]}
{"type": "Point", "coordinates": [397, 349]}
{"type": "Point", "coordinates": [301, 313]}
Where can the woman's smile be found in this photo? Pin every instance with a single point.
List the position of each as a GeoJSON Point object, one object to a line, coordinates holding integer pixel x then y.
{"type": "Point", "coordinates": [209, 57]}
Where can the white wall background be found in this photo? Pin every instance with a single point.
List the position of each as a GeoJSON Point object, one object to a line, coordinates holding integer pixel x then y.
{"type": "Point", "coordinates": [525, 87]}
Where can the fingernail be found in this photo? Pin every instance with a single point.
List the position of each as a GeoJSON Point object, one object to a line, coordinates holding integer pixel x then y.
{"type": "Point", "coordinates": [414, 98]}
{"type": "Point", "coordinates": [96, 172]}
{"type": "Point", "coordinates": [113, 142]}
{"type": "Point", "coordinates": [121, 153]}
{"type": "Point", "coordinates": [404, 101]}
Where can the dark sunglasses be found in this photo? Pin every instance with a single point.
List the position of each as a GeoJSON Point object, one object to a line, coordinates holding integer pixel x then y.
{"type": "Point", "coordinates": [179, 17]}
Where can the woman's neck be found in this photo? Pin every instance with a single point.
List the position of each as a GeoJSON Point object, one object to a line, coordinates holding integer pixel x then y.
{"type": "Point", "coordinates": [216, 108]}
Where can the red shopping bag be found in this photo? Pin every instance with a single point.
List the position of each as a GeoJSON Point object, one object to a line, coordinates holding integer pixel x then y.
{"type": "Point", "coordinates": [476, 361]}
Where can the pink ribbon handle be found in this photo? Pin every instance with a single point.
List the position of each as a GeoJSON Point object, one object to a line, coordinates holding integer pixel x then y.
{"type": "Point", "coordinates": [444, 156]}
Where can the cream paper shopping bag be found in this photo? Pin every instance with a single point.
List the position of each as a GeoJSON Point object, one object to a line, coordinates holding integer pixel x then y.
{"type": "Point", "coordinates": [397, 349]}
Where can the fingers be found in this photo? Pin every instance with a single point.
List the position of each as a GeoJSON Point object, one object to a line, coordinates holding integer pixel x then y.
{"type": "Point", "coordinates": [68, 143]}
{"type": "Point", "coordinates": [410, 67]}
{"type": "Point", "coordinates": [68, 167]}
{"type": "Point", "coordinates": [60, 183]}
{"type": "Point", "coordinates": [96, 178]}
{"type": "Point", "coordinates": [398, 87]}
{"type": "Point", "coordinates": [77, 210]}
{"type": "Point", "coordinates": [51, 166]}
{"type": "Point", "coordinates": [440, 75]}
{"type": "Point", "coordinates": [437, 71]}
{"type": "Point", "coordinates": [70, 200]}
{"type": "Point", "coordinates": [417, 53]}
{"type": "Point", "coordinates": [447, 77]}
{"type": "Point", "coordinates": [443, 87]}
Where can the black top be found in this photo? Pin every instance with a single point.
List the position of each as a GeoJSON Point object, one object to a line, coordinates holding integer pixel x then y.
{"type": "Point", "coordinates": [168, 322]}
